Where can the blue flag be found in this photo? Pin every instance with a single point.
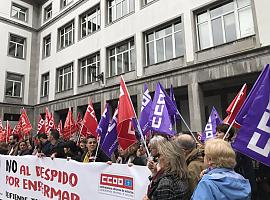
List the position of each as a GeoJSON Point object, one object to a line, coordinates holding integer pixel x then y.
{"type": "Point", "coordinates": [210, 129]}
{"type": "Point", "coordinates": [175, 117]}
{"type": "Point", "coordinates": [159, 117]}
{"type": "Point", "coordinates": [104, 123]}
{"type": "Point", "coordinates": [110, 142]}
{"type": "Point", "coordinates": [145, 110]}
{"type": "Point", "coordinates": [253, 139]}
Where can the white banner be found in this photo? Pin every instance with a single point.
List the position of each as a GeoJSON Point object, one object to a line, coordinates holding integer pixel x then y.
{"type": "Point", "coordinates": [32, 178]}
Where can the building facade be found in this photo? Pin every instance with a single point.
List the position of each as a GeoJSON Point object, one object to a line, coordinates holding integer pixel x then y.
{"type": "Point", "coordinates": [65, 53]}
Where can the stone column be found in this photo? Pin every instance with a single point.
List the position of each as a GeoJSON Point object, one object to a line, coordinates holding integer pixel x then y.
{"type": "Point", "coordinates": [196, 107]}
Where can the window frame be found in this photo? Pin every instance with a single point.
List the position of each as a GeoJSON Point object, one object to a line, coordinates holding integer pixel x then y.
{"type": "Point", "coordinates": [115, 55]}
{"type": "Point", "coordinates": [66, 34]}
{"type": "Point", "coordinates": [13, 84]}
{"type": "Point", "coordinates": [47, 46]}
{"type": "Point", "coordinates": [163, 38]}
{"type": "Point", "coordinates": [18, 6]}
{"type": "Point", "coordinates": [46, 17]}
{"type": "Point", "coordinates": [209, 20]}
{"type": "Point", "coordinates": [44, 82]}
{"type": "Point", "coordinates": [65, 3]}
{"type": "Point", "coordinates": [94, 10]}
{"type": "Point", "coordinates": [61, 77]}
{"type": "Point", "coordinates": [87, 68]}
{"type": "Point", "coordinates": [16, 46]}
{"type": "Point", "coordinates": [113, 7]}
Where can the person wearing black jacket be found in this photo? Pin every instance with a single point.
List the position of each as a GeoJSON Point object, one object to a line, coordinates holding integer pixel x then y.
{"type": "Point", "coordinates": [90, 155]}
{"type": "Point", "coordinates": [57, 145]}
{"type": "Point", "coordinates": [44, 143]}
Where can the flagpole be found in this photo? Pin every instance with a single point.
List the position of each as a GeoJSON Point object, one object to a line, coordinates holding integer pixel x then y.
{"type": "Point", "coordinates": [187, 126]}
{"type": "Point", "coordinates": [138, 125]}
{"type": "Point", "coordinates": [97, 149]}
{"type": "Point", "coordinates": [238, 98]}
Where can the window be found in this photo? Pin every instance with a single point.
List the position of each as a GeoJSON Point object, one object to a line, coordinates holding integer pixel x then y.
{"type": "Point", "coordinates": [47, 46]}
{"type": "Point", "coordinates": [16, 46]}
{"type": "Point", "coordinates": [14, 85]}
{"type": "Point", "coordinates": [119, 8]}
{"type": "Point", "coordinates": [90, 22]}
{"type": "Point", "coordinates": [147, 1]}
{"type": "Point", "coordinates": [164, 44]}
{"type": "Point", "coordinates": [224, 23]}
{"type": "Point", "coordinates": [19, 12]}
{"type": "Point", "coordinates": [48, 12]}
{"type": "Point", "coordinates": [66, 35]}
{"type": "Point", "coordinates": [64, 3]}
{"type": "Point", "coordinates": [122, 58]}
{"type": "Point", "coordinates": [89, 69]}
{"type": "Point", "coordinates": [65, 78]}
{"type": "Point", "coordinates": [45, 85]}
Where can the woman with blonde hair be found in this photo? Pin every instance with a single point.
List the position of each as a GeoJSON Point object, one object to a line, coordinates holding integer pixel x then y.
{"type": "Point", "coordinates": [172, 181]}
{"type": "Point", "coordinates": [220, 181]}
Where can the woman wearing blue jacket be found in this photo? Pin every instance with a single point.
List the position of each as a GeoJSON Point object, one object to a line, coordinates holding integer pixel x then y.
{"type": "Point", "coordinates": [220, 181]}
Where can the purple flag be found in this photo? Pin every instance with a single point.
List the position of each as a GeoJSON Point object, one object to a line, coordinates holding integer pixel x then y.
{"type": "Point", "coordinates": [253, 139]}
{"type": "Point", "coordinates": [145, 110]}
{"type": "Point", "coordinates": [110, 142]}
{"type": "Point", "coordinates": [159, 117]}
{"type": "Point", "coordinates": [171, 106]}
{"type": "Point", "coordinates": [210, 129]}
{"type": "Point", "coordinates": [104, 123]}
{"type": "Point", "coordinates": [175, 117]}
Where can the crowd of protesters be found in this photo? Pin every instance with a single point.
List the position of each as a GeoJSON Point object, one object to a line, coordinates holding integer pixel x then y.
{"type": "Point", "coordinates": [181, 167]}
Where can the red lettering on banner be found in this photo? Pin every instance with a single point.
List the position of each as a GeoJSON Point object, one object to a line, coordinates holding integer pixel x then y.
{"type": "Point", "coordinates": [49, 192]}
{"type": "Point", "coordinates": [12, 181]}
{"type": "Point", "coordinates": [59, 176]}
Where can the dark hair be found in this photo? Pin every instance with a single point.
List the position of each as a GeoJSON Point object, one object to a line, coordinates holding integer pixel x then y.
{"type": "Point", "coordinates": [42, 135]}
{"type": "Point", "coordinates": [55, 134]}
{"type": "Point", "coordinates": [71, 145]}
{"type": "Point", "coordinates": [223, 128]}
{"type": "Point", "coordinates": [90, 136]}
{"type": "Point", "coordinates": [15, 137]}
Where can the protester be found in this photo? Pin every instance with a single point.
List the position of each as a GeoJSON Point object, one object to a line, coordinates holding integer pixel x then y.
{"type": "Point", "coordinates": [194, 158]}
{"type": "Point", "coordinates": [13, 145]}
{"type": "Point", "coordinates": [171, 180]}
{"type": "Point", "coordinates": [152, 162]}
{"type": "Point", "coordinates": [57, 145]}
{"type": "Point", "coordinates": [45, 145]}
{"type": "Point", "coordinates": [82, 145]}
{"type": "Point", "coordinates": [244, 164]}
{"type": "Point", "coordinates": [221, 130]}
{"type": "Point", "coordinates": [90, 155]}
{"type": "Point", "coordinates": [129, 156]}
{"type": "Point", "coordinates": [3, 148]}
{"type": "Point", "coordinates": [220, 181]}
{"type": "Point", "coordinates": [23, 149]}
{"type": "Point", "coordinates": [72, 150]}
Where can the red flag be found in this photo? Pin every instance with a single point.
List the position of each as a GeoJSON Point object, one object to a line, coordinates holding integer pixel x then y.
{"type": "Point", "coordinates": [90, 122]}
{"type": "Point", "coordinates": [79, 122]}
{"type": "Point", "coordinates": [1, 125]}
{"type": "Point", "coordinates": [70, 126]}
{"type": "Point", "coordinates": [126, 133]}
{"type": "Point", "coordinates": [41, 125]}
{"type": "Point", "coordinates": [17, 131]}
{"type": "Point", "coordinates": [60, 127]}
{"type": "Point", "coordinates": [24, 123]}
{"type": "Point", "coordinates": [235, 106]}
{"type": "Point", "coordinates": [2, 132]}
{"type": "Point", "coordinates": [7, 131]}
{"type": "Point", "coordinates": [49, 121]}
